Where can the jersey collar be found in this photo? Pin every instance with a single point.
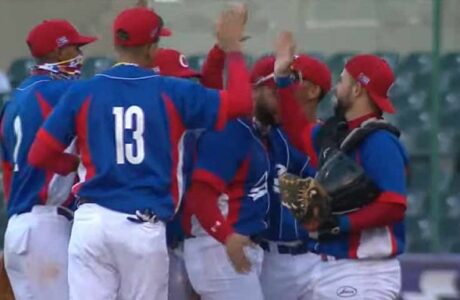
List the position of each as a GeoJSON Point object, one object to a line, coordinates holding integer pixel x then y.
{"type": "Point", "coordinates": [355, 123]}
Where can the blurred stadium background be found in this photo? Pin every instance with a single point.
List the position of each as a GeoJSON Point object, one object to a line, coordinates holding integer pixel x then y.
{"type": "Point", "coordinates": [419, 38]}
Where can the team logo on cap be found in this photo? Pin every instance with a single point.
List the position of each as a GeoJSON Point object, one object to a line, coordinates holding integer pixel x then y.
{"type": "Point", "coordinates": [363, 79]}
{"type": "Point", "coordinates": [183, 61]}
{"type": "Point", "coordinates": [61, 41]}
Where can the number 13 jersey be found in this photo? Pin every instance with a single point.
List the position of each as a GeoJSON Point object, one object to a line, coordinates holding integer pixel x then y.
{"type": "Point", "coordinates": [130, 123]}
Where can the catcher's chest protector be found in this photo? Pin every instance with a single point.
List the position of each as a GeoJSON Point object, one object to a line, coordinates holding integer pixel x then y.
{"type": "Point", "coordinates": [345, 180]}
{"type": "Point", "coordinates": [335, 136]}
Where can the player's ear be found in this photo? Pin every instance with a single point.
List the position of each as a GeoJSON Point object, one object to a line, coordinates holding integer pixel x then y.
{"type": "Point", "coordinates": [358, 89]}
{"type": "Point", "coordinates": [314, 91]}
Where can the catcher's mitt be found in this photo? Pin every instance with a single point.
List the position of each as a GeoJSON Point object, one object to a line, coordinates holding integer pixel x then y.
{"type": "Point", "coordinates": [309, 203]}
{"type": "Point", "coordinates": [304, 197]}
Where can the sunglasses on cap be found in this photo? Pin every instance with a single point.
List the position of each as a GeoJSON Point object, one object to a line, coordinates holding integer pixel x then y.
{"type": "Point", "coordinates": [156, 38]}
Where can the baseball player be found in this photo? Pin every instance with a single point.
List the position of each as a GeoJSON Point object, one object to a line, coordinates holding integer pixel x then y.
{"type": "Point", "coordinates": [170, 62]}
{"type": "Point", "coordinates": [288, 263]}
{"type": "Point", "coordinates": [129, 122]}
{"type": "Point", "coordinates": [359, 247]}
{"type": "Point", "coordinates": [38, 230]}
{"type": "Point", "coordinates": [226, 204]}
{"type": "Point", "coordinates": [229, 199]}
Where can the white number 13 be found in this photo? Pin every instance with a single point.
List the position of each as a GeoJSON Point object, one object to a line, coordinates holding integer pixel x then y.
{"type": "Point", "coordinates": [124, 121]}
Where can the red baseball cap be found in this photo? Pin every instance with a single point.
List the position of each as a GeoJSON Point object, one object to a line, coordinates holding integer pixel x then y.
{"type": "Point", "coordinates": [170, 62]}
{"type": "Point", "coordinates": [375, 75]}
{"type": "Point", "coordinates": [53, 34]}
{"type": "Point", "coordinates": [138, 26]}
{"type": "Point", "coordinates": [262, 72]}
{"type": "Point", "coordinates": [313, 70]}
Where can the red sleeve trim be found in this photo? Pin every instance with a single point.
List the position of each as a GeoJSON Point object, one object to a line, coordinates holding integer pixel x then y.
{"type": "Point", "coordinates": [376, 214]}
{"type": "Point", "coordinates": [7, 176]}
{"type": "Point", "coordinates": [213, 69]}
{"type": "Point", "coordinates": [223, 109]}
{"type": "Point", "coordinates": [44, 105]}
{"type": "Point", "coordinates": [392, 197]}
{"type": "Point", "coordinates": [203, 200]}
{"type": "Point", "coordinates": [296, 124]}
{"type": "Point", "coordinates": [50, 140]}
{"type": "Point", "coordinates": [208, 177]}
{"type": "Point", "coordinates": [47, 153]}
{"type": "Point", "coordinates": [238, 87]}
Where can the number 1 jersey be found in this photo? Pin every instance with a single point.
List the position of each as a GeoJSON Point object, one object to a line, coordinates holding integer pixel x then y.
{"type": "Point", "coordinates": [25, 185]}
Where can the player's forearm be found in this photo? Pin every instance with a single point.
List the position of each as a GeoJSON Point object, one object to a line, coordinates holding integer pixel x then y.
{"type": "Point", "coordinates": [47, 153]}
{"type": "Point", "coordinates": [213, 69]}
{"type": "Point", "coordinates": [294, 122]}
{"type": "Point", "coordinates": [203, 201]}
{"type": "Point", "coordinates": [377, 214]}
{"type": "Point", "coordinates": [239, 92]}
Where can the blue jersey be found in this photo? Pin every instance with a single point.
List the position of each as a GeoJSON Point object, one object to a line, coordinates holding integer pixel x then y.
{"type": "Point", "coordinates": [384, 160]}
{"type": "Point", "coordinates": [174, 228]}
{"type": "Point", "coordinates": [284, 158]}
{"type": "Point", "coordinates": [29, 106]}
{"type": "Point", "coordinates": [130, 124]}
{"type": "Point", "coordinates": [236, 163]}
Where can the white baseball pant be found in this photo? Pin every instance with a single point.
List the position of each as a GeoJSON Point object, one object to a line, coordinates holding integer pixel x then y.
{"type": "Point", "coordinates": [112, 258]}
{"type": "Point", "coordinates": [378, 279]}
{"type": "Point", "coordinates": [212, 274]}
{"type": "Point", "coordinates": [179, 285]}
{"type": "Point", "coordinates": [35, 252]}
{"type": "Point", "coordinates": [287, 276]}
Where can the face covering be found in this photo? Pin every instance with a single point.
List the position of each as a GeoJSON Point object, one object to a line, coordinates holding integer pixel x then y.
{"type": "Point", "coordinates": [67, 69]}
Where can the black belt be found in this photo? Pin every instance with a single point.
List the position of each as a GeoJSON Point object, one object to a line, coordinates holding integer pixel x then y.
{"type": "Point", "coordinates": [284, 249]}
{"type": "Point", "coordinates": [256, 239]}
{"type": "Point", "coordinates": [81, 201]}
{"type": "Point", "coordinates": [62, 211]}
{"type": "Point", "coordinates": [68, 214]}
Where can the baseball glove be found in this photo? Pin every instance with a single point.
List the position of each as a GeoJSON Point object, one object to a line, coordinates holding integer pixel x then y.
{"type": "Point", "coordinates": [304, 197]}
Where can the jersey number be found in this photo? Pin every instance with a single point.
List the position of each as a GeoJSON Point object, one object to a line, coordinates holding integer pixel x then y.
{"type": "Point", "coordinates": [124, 121]}
{"type": "Point", "coordinates": [18, 132]}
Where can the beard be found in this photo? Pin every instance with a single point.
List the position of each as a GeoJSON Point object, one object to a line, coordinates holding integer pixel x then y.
{"type": "Point", "coordinates": [342, 105]}
{"type": "Point", "coordinates": [339, 110]}
{"type": "Point", "coordinates": [264, 115]}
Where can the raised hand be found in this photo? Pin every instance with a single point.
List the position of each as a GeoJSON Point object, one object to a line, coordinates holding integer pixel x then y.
{"type": "Point", "coordinates": [284, 49]}
{"type": "Point", "coordinates": [230, 27]}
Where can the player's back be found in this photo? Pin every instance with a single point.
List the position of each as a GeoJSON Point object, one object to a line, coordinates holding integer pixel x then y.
{"type": "Point", "coordinates": [25, 112]}
{"type": "Point", "coordinates": [130, 122]}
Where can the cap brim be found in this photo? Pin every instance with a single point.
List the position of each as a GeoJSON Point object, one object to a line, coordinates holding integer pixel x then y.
{"type": "Point", "coordinates": [165, 31]}
{"type": "Point", "coordinates": [383, 103]}
{"type": "Point", "coordinates": [84, 40]}
{"type": "Point", "coordinates": [187, 73]}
